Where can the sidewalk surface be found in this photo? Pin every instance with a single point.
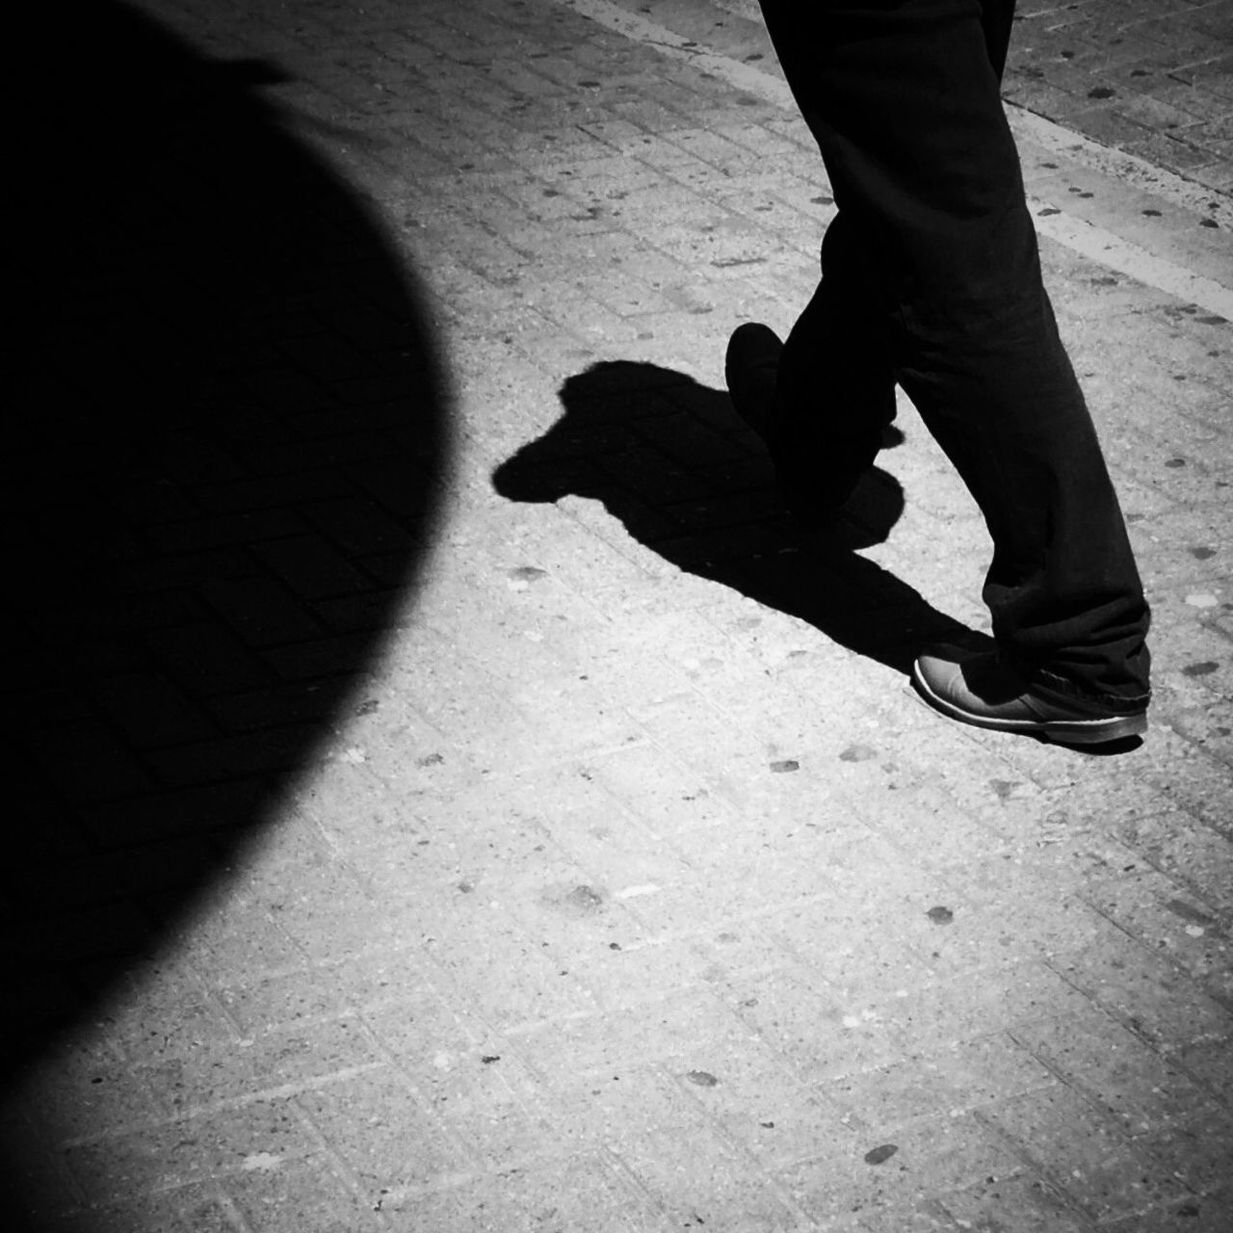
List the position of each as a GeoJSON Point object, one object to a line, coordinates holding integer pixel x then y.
{"type": "Point", "coordinates": [462, 800]}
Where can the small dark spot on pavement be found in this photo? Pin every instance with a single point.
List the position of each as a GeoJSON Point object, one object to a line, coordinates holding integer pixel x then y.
{"type": "Point", "coordinates": [368, 707]}
{"type": "Point", "coordinates": [858, 753]}
{"type": "Point", "coordinates": [1208, 222]}
{"type": "Point", "coordinates": [433, 759]}
{"type": "Point", "coordinates": [702, 1078]}
{"type": "Point", "coordinates": [1175, 463]}
{"type": "Point", "coordinates": [1206, 668]}
{"type": "Point", "coordinates": [489, 1058]}
{"type": "Point", "coordinates": [1153, 213]}
{"type": "Point", "coordinates": [785, 765]}
{"type": "Point", "coordinates": [1101, 92]}
{"type": "Point", "coordinates": [527, 573]}
{"type": "Point", "coordinates": [575, 900]}
{"type": "Point", "coordinates": [881, 1154]}
{"type": "Point", "coordinates": [940, 915]}
{"type": "Point", "coordinates": [1179, 907]}
{"type": "Point", "coordinates": [1003, 788]}
{"type": "Point", "coordinates": [1202, 552]}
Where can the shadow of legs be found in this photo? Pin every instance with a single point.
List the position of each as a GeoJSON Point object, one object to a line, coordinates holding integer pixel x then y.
{"type": "Point", "coordinates": [671, 460]}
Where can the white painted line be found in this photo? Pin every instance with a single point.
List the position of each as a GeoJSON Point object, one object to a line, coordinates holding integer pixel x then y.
{"type": "Point", "coordinates": [1121, 255]}
{"type": "Point", "coordinates": [747, 77]}
{"type": "Point", "coordinates": [1086, 239]}
{"type": "Point", "coordinates": [1117, 164]}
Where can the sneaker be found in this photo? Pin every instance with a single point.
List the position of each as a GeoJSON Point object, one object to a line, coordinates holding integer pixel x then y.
{"type": "Point", "coordinates": [980, 688]}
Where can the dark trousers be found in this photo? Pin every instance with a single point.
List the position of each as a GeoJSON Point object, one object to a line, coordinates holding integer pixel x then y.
{"type": "Point", "coordinates": [931, 280]}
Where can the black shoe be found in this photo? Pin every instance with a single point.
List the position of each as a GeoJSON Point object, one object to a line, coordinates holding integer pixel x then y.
{"type": "Point", "coordinates": [751, 369]}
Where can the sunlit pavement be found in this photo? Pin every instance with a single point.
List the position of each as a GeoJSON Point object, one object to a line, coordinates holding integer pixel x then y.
{"type": "Point", "coordinates": [616, 880]}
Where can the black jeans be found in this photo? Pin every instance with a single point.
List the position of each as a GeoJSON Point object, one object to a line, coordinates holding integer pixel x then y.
{"type": "Point", "coordinates": [931, 280]}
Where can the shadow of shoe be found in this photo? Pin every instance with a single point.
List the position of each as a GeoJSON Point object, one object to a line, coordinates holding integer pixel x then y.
{"type": "Point", "coordinates": [672, 461]}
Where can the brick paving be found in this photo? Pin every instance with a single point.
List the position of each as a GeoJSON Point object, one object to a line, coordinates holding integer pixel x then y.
{"type": "Point", "coordinates": [454, 810]}
{"type": "Point", "coordinates": [1153, 79]}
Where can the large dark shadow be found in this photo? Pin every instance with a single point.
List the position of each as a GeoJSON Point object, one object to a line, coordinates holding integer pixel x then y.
{"type": "Point", "coordinates": [223, 435]}
{"type": "Point", "coordinates": [670, 459]}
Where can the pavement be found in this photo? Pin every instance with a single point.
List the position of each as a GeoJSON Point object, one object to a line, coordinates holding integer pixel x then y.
{"type": "Point", "coordinates": [458, 798]}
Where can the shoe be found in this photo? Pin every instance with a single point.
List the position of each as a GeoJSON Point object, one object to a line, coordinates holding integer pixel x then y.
{"type": "Point", "coordinates": [980, 688]}
{"type": "Point", "coordinates": [750, 369]}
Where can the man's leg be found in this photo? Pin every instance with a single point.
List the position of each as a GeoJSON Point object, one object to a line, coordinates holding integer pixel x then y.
{"type": "Point", "coordinates": [835, 394]}
{"type": "Point", "coordinates": [903, 97]}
